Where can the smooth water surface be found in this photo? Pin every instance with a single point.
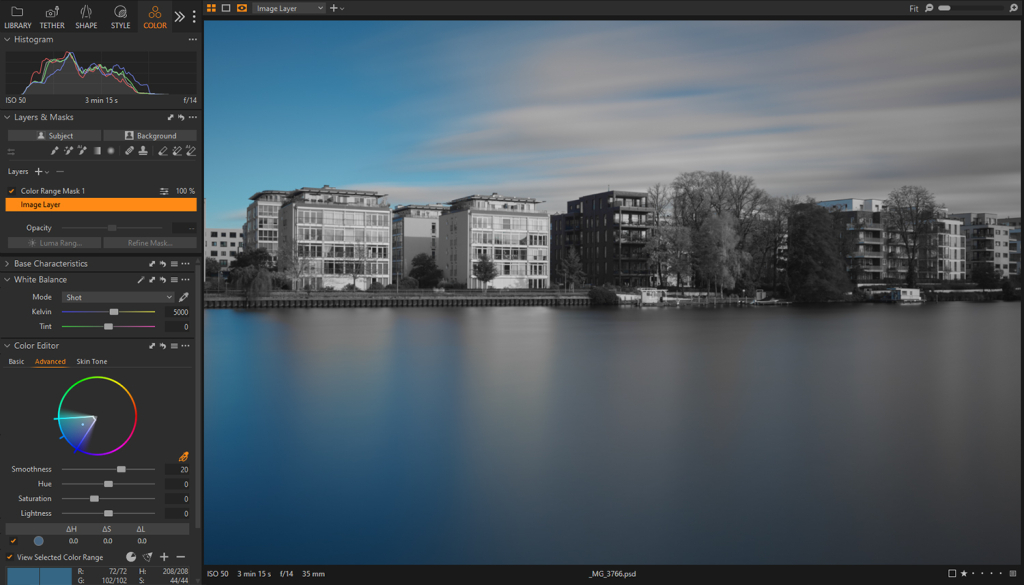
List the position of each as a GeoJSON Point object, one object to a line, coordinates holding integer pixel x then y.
{"type": "Point", "coordinates": [538, 435]}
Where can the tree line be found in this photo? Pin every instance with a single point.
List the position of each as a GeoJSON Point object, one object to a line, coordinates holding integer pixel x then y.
{"type": "Point", "coordinates": [721, 232]}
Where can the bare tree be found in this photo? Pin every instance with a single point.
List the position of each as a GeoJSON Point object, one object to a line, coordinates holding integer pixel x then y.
{"type": "Point", "coordinates": [360, 257]}
{"type": "Point", "coordinates": [691, 199]}
{"type": "Point", "coordinates": [909, 213]}
{"type": "Point", "coordinates": [768, 236]}
{"type": "Point", "coordinates": [715, 252]}
{"type": "Point", "coordinates": [744, 202]}
{"type": "Point", "coordinates": [293, 264]}
{"type": "Point", "coordinates": [659, 200]}
{"type": "Point", "coordinates": [678, 253]}
{"type": "Point", "coordinates": [656, 248]}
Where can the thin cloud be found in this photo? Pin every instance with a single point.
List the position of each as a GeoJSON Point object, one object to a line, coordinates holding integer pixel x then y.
{"type": "Point", "coordinates": [861, 111]}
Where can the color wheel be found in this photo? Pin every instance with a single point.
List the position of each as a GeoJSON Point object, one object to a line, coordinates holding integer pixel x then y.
{"type": "Point", "coordinates": [97, 416]}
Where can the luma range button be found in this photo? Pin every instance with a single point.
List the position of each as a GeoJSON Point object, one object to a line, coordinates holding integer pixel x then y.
{"type": "Point", "coordinates": [53, 243]}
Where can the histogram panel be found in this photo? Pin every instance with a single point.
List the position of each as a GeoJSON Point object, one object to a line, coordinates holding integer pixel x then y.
{"type": "Point", "coordinates": [101, 73]}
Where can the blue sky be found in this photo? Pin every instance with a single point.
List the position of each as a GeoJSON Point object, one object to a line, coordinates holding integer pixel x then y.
{"type": "Point", "coordinates": [432, 111]}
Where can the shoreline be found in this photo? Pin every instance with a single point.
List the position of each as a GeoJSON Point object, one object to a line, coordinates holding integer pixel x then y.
{"type": "Point", "coordinates": [508, 299]}
{"type": "Point", "coordinates": [356, 300]}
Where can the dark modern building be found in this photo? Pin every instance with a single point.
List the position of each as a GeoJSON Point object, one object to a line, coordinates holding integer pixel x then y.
{"type": "Point", "coordinates": [609, 231]}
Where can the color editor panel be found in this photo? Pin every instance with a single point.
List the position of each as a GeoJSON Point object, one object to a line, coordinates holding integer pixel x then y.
{"type": "Point", "coordinates": [101, 265]}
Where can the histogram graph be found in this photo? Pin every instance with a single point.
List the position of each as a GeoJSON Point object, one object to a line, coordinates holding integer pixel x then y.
{"type": "Point", "coordinates": [100, 73]}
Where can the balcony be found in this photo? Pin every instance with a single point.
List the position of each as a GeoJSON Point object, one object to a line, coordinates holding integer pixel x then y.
{"type": "Point", "coordinates": [633, 208]}
{"type": "Point", "coordinates": [864, 225]}
{"type": "Point", "coordinates": [631, 273]}
{"type": "Point", "coordinates": [629, 238]}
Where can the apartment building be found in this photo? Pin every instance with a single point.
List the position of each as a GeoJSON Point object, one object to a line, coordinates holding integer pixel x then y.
{"type": "Point", "coordinates": [222, 244]}
{"type": "Point", "coordinates": [1014, 224]}
{"type": "Point", "coordinates": [261, 217]}
{"type": "Point", "coordinates": [988, 242]}
{"type": "Point", "coordinates": [331, 238]}
{"type": "Point", "coordinates": [943, 256]}
{"type": "Point", "coordinates": [508, 230]}
{"type": "Point", "coordinates": [414, 231]}
{"type": "Point", "coordinates": [879, 254]}
{"type": "Point", "coordinates": [609, 231]}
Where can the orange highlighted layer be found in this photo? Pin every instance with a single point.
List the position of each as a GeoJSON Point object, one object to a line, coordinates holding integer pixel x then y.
{"type": "Point", "coordinates": [100, 204]}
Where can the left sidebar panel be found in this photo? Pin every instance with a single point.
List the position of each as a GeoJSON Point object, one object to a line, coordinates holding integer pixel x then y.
{"type": "Point", "coordinates": [101, 243]}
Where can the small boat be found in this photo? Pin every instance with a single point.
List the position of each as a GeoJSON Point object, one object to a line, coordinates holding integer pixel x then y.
{"type": "Point", "coordinates": [763, 302]}
{"type": "Point", "coordinates": [900, 295]}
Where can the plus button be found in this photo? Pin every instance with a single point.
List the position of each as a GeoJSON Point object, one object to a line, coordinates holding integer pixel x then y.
{"type": "Point", "coordinates": [163, 557]}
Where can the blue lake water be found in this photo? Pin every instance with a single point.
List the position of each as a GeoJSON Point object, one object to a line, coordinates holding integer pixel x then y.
{"type": "Point", "coordinates": [537, 435]}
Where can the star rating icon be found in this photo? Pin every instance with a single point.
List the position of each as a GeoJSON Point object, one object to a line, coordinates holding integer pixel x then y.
{"type": "Point", "coordinates": [963, 573]}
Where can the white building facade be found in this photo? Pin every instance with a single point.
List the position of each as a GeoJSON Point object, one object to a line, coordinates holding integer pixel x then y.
{"type": "Point", "coordinates": [330, 238]}
{"type": "Point", "coordinates": [508, 230]}
{"type": "Point", "coordinates": [261, 219]}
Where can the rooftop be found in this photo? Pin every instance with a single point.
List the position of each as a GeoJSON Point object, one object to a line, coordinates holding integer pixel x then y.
{"type": "Point", "coordinates": [328, 190]}
{"type": "Point", "coordinates": [325, 190]}
{"type": "Point", "coordinates": [493, 197]}
{"type": "Point", "coordinates": [613, 193]}
{"type": "Point", "coordinates": [420, 206]}
{"type": "Point", "coordinates": [262, 194]}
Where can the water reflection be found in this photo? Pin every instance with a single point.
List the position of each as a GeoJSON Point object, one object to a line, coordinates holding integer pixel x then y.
{"type": "Point", "coordinates": [862, 434]}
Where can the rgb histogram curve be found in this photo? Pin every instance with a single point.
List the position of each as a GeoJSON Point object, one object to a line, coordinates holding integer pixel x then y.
{"type": "Point", "coordinates": [52, 67]}
{"type": "Point", "coordinates": [94, 73]}
{"type": "Point", "coordinates": [80, 430]}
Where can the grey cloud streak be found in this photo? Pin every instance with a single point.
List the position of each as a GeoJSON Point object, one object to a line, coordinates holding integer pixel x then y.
{"type": "Point", "coordinates": [811, 109]}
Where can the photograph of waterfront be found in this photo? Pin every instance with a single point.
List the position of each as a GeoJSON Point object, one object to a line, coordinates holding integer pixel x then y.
{"type": "Point", "coordinates": [557, 293]}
